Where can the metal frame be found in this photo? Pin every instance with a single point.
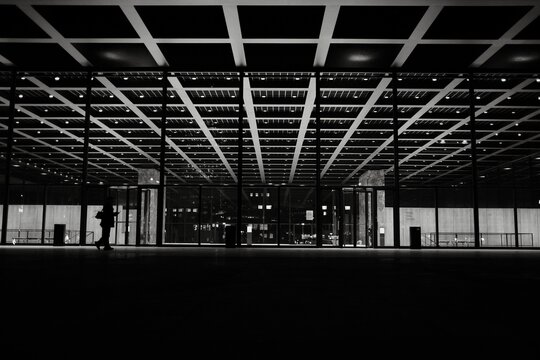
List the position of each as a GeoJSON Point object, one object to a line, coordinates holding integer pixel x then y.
{"type": "Point", "coordinates": [396, 131]}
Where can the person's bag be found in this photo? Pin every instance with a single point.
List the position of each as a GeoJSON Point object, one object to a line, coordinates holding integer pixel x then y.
{"type": "Point", "coordinates": [99, 215]}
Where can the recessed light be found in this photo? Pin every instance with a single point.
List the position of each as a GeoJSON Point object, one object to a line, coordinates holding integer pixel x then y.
{"type": "Point", "coordinates": [263, 78]}
{"type": "Point", "coordinates": [111, 96]}
{"type": "Point", "coordinates": [141, 96]}
{"type": "Point", "coordinates": [81, 96]}
{"type": "Point", "coordinates": [51, 96]}
{"type": "Point", "coordinates": [125, 78]}
{"type": "Point", "coordinates": [57, 78]}
{"type": "Point", "coordinates": [507, 168]}
{"type": "Point", "coordinates": [434, 79]}
{"type": "Point", "coordinates": [21, 96]}
{"type": "Point", "coordinates": [478, 98]}
{"type": "Point", "coordinates": [100, 110]}
{"type": "Point", "coordinates": [503, 80]}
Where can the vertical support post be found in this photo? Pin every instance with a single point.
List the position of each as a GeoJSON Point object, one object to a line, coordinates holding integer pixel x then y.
{"type": "Point", "coordinates": [355, 221]}
{"type": "Point", "coordinates": [279, 216]}
{"type": "Point", "coordinates": [436, 217]}
{"type": "Point", "coordinates": [374, 229]}
{"type": "Point", "coordinates": [396, 204]}
{"type": "Point", "coordinates": [318, 210]}
{"type": "Point", "coordinates": [240, 159]}
{"type": "Point", "coordinates": [9, 155]}
{"type": "Point", "coordinates": [200, 216]}
{"type": "Point", "coordinates": [139, 216]}
{"type": "Point", "coordinates": [126, 233]}
{"type": "Point", "coordinates": [366, 218]}
{"type": "Point", "coordinates": [341, 217]}
{"type": "Point", "coordinates": [472, 122]}
{"type": "Point", "coordinates": [162, 150]}
{"type": "Point", "coordinates": [44, 214]}
{"type": "Point", "coordinates": [516, 225]}
{"type": "Point", "coordinates": [84, 174]}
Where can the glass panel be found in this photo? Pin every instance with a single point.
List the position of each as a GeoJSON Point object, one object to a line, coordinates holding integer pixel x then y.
{"type": "Point", "coordinates": [456, 228]}
{"type": "Point", "coordinates": [96, 199]}
{"type": "Point", "coordinates": [147, 213]}
{"type": "Point", "coordinates": [297, 214]}
{"type": "Point", "coordinates": [218, 211]}
{"type": "Point", "coordinates": [496, 216]}
{"type": "Point", "coordinates": [25, 214]}
{"type": "Point", "coordinates": [418, 209]}
{"type": "Point", "coordinates": [182, 215]}
{"type": "Point", "coordinates": [64, 207]}
{"type": "Point", "coordinates": [528, 214]}
{"type": "Point", "coordinates": [259, 213]}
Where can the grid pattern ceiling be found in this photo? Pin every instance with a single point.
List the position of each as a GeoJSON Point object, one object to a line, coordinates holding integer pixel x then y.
{"type": "Point", "coordinates": [278, 111]}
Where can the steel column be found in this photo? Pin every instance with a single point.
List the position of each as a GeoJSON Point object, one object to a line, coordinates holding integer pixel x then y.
{"type": "Point", "coordinates": [84, 174]}
{"type": "Point", "coordinates": [240, 159]}
{"type": "Point", "coordinates": [318, 210]}
{"type": "Point", "coordinates": [9, 155]}
{"type": "Point", "coordinates": [437, 216]}
{"type": "Point", "coordinates": [472, 123]}
{"type": "Point", "coordinates": [161, 188]}
{"type": "Point", "coordinates": [396, 203]}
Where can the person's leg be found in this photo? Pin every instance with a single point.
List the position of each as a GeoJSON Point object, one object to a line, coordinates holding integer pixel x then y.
{"type": "Point", "coordinates": [105, 237]}
{"type": "Point", "coordinates": [100, 241]}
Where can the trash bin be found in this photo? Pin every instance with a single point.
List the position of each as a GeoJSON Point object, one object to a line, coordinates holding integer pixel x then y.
{"type": "Point", "coordinates": [59, 234]}
{"type": "Point", "coordinates": [416, 240]}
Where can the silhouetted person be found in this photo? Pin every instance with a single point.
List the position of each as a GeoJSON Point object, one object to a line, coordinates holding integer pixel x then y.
{"type": "Point", "coordinates": [107, 222]}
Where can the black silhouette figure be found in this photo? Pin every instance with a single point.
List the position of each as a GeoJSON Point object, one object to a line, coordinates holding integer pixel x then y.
{"type": "Point", "coordinates": [107, 222]}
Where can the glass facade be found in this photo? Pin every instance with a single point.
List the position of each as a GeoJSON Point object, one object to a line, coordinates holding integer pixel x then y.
{"type": "Point", "coordinates": [333, 159]}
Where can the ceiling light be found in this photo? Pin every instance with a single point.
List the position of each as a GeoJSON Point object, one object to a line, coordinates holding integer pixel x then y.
{"type": "Point", "coordinates": [23, 78]}
{"type": "Point", "coordinates": [228, 78]}
{"type": "Point", "coordinates": [507, 168]}
{"type": "Point", "coordinates": [194, 78]}
{"type": "Point", "coordinates": [447, 97]}
{"type": "Point", "coordinates": [296, 78]}
{"type": "Point", "coordinates": [233, 96]}
{"type": "Point", "coordinates": [141, 96]}
{"type": "Point", "coordinates": [111, 96]}
{"type": "Point", "coordinates": [155, 110]}
{"type": "Point", "coordinates": [434, 79]}
{"type": "Point", "coordinates": [51, 96]}
{"type": "Point", "coordinates": [508, 98]}
{"type": "Point", "coordinates": [263, 78]}
{"type": "Point", "coordinates": [203, 96]}
{"type": "Point", "coordinates": [20, 96]}
{"type": "Point", "coordinates": [125, 78]}
{"type": "Point", "coordinates": [399, 79]}
{"type": "Point", "coordinates": [160, 78]}
{"type": "Point", "coordinates": [127, 110]}
{"type": "Point", "coordinates": [457, 111]}
{"type": "Point", "coordinates": [81, 96]}
{"type": "Point", "coordinates": [478, 98]}
{"type": "Point", "coordinates": [100, 110]}
{"type": "Point", "coordinates": [503, 80]}
{"type": "Point", "coordinates": [56, 78]}
{"type": "Point", "coordinates": [67, 122]}
{"type": "Point", "coordinates": [171, 96]}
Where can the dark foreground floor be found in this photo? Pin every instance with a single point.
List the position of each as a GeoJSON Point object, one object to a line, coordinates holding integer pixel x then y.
{"type": "Point", "coordinates": [172, 302]}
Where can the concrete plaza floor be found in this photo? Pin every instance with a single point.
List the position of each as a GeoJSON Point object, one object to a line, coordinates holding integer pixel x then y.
{"type": "Point", "coordinates": [71, 302]}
